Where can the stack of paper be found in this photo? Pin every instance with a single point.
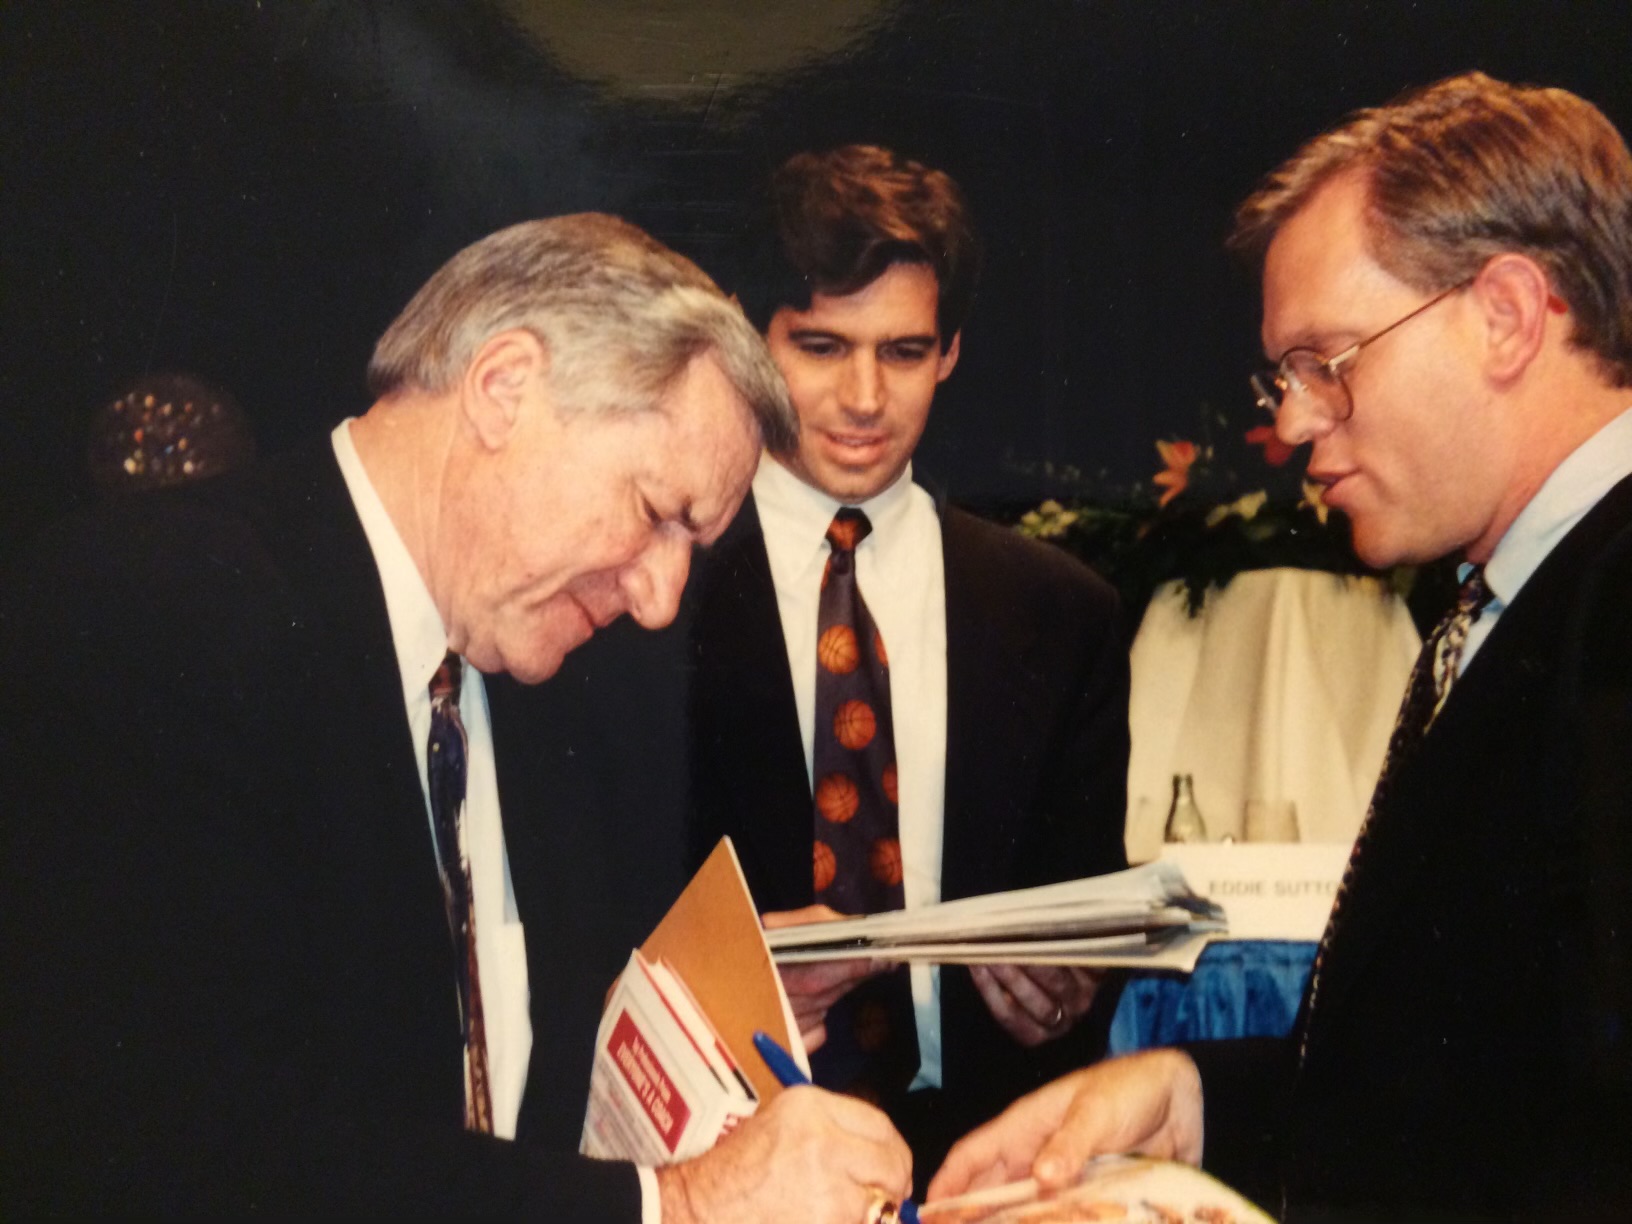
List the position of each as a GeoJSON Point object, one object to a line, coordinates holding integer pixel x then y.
{"type": "Point", "coordinates": [664, 1087]}
{"type": "Point", "coordinates": [1143, 918]}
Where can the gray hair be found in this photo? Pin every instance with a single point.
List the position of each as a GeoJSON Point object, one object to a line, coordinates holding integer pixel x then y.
{"type": "Point", "coordinates": [620, 314]}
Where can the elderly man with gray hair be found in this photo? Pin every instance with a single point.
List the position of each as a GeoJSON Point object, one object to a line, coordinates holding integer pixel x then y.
{"type": "Point", "coordinates": [276, 934]}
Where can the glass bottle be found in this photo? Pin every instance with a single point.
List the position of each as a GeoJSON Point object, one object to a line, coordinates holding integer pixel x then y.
{"type": "Point", "coordinates": [1184, 822]}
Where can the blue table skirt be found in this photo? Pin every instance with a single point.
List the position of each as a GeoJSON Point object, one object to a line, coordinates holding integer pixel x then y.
{"type": "Point", "coordinates": [1240, 988]}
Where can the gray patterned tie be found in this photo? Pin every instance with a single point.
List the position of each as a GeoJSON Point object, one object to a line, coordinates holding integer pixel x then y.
{"type": "Point", "coordinates": [1431, 679]}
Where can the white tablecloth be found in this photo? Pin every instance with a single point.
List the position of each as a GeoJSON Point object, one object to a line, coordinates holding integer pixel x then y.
{"type": "Point", "coordinates": [1285, 687]}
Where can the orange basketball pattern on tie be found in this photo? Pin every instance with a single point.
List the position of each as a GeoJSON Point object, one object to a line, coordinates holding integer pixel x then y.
{"type": "Point", "coordinates": [872, 1046]}
{"type": "Point", "coordinates": [885, 860]}
{"type": "Point", "coordinates": [854, 724]}
{"type": "Point", "coordinates": [825, 865]}
{"type": "Point", "coordinates": [838, 651]}
{"type": "Point", "coordinates": [837, 798]}
{"type": "Point", "coordinates": [872, 1026]}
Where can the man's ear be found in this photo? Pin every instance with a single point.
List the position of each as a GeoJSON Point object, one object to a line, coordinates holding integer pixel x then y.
{"type": "Point", "coordinates": [499, 380]}
{"type": "Point", "coordinates": [1513, 292]}
{"type": "Point", "coordinates": [949, 357]}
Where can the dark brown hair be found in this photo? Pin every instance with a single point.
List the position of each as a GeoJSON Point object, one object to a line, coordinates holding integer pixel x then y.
{"type": "Point", "coordinates": [1472, 167]}
{"type": "Point", "coordinates": [833, 222]}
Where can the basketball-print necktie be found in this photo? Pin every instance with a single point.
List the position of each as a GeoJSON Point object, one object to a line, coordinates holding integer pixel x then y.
{"type": "Point", "coordinates": [1431, 679]}
{"type": "Point", "coordinates": [445, 772]}
{"type": "Point", "coordinates": [872, 1044]}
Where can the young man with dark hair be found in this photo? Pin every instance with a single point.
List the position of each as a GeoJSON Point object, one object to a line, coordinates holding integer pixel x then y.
{"type": "Point", "coordinates": [992, 670]}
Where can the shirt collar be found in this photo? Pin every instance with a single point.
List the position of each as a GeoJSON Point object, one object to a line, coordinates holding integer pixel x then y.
{"type": "Point", "coordinates": [1575, 487]}
{"type": "Point", "coordinates": [417, 632]}
{"type": "Point", "coordinates": [795, 516]}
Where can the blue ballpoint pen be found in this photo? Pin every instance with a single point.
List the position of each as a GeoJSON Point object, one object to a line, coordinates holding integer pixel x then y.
{"type": "Point", "coordinates": [788, 1074]}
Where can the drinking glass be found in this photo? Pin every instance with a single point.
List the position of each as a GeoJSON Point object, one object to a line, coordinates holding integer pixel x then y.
{"type": "Point", "coordinates": [1270, 820]}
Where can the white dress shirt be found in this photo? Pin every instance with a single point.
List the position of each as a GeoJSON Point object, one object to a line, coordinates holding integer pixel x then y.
{"type": "Point", "coordinates": [421, 643]}
{"type": "Point", "coordinates": [900, 573]}
{"type": "Point", "coordinates": [1575, 487]}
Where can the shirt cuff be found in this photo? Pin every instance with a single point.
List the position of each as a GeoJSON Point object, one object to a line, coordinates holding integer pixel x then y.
{"type": "Point", "coordinates": [651, 1205]}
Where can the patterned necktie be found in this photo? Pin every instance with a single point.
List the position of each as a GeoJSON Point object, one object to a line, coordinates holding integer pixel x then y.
{"type": "Point", "coordinates": [445, 770]}
{"type": "Point", "coordinates": [1432, 676]}
{"type": "Point", "coordinates": [872, 1046]}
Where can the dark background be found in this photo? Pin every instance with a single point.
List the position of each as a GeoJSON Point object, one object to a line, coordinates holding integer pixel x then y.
{"type": "Point", "coordinates": [250, 190]}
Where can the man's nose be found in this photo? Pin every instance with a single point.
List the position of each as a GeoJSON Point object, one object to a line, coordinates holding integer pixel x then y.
{"type": "Point", "coordinates": [1301, 418]}
{"type": "Point", "coordinates": [653, 581]}
{"type": "Point", "coordinates": [863, 387]}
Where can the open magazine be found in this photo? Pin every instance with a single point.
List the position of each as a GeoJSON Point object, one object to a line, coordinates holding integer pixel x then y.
{"type": "Point", "coordinates": [1144, 918]}
{"type": "Point", "coordinates": [1132, 1189]}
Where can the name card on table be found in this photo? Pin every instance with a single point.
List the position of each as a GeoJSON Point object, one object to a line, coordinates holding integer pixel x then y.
{"type": "Point", "coordinates": [1269, 891]}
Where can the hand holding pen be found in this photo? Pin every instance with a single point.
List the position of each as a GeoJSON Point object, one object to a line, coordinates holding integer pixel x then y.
{"type": "Point", "coordinates": [882, 1209]}
{"type": "Point", "coordinates": [804, 1157]}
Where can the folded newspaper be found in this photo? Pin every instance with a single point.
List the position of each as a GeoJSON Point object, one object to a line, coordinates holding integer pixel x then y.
{"type": "Point", "coordinates": [1144, 918]}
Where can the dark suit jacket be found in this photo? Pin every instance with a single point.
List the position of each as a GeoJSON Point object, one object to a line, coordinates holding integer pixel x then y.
{"type": "Point", "coordinates": [1470, 1049]}
{"type": "Point", "coordinates": [228, 976]}
{"type": "Point", "coordinates": [1036, 762]}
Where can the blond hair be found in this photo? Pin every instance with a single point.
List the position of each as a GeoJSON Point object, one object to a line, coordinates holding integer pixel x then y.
{"type": "Point", "coordinates": [1472, 167]}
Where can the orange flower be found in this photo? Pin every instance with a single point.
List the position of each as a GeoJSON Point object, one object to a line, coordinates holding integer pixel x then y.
{"type": "Point", "coordinates": [1178, 456]}
{"type": "Point", "coordinates": [1276, 452]}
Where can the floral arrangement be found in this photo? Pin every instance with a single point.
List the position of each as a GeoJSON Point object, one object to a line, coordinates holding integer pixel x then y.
{"type": "Point", "coordinates": [1232, 501]}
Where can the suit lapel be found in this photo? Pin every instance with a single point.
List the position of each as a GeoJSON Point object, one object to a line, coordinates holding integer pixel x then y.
{"type": "Point", "coordinates": [1443, 790]}
{"type": "Point", "coordinates": [331, 569]}
{"type": "Point", "coordinates": [350, 729]}
{"type": "Point", "coordinates": [971, 671]}
{"type": "Point", "coordinates": [988, 708]}
{"type": "Point", "coordinates": [356, 699]}
{"type": "Point", "coordinates": [747, 715]}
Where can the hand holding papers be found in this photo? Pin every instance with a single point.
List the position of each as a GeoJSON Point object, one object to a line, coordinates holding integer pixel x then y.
{"type": "Point", "coordinates": [812, 989]}
{"type": "Point", "coordinates": [1149, 1103]}
{"type": "Point", "coordinates": [1034, 1004]}
{"type": "Point", "coordinates": [1143, 918]}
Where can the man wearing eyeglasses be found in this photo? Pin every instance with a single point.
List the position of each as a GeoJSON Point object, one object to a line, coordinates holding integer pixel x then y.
{"type": "Point", "coordinates": [1448, 303]}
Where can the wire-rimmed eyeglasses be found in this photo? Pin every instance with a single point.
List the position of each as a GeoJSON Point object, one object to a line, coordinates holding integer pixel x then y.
{"type": "Point", "coordinates": [1321, 378]}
